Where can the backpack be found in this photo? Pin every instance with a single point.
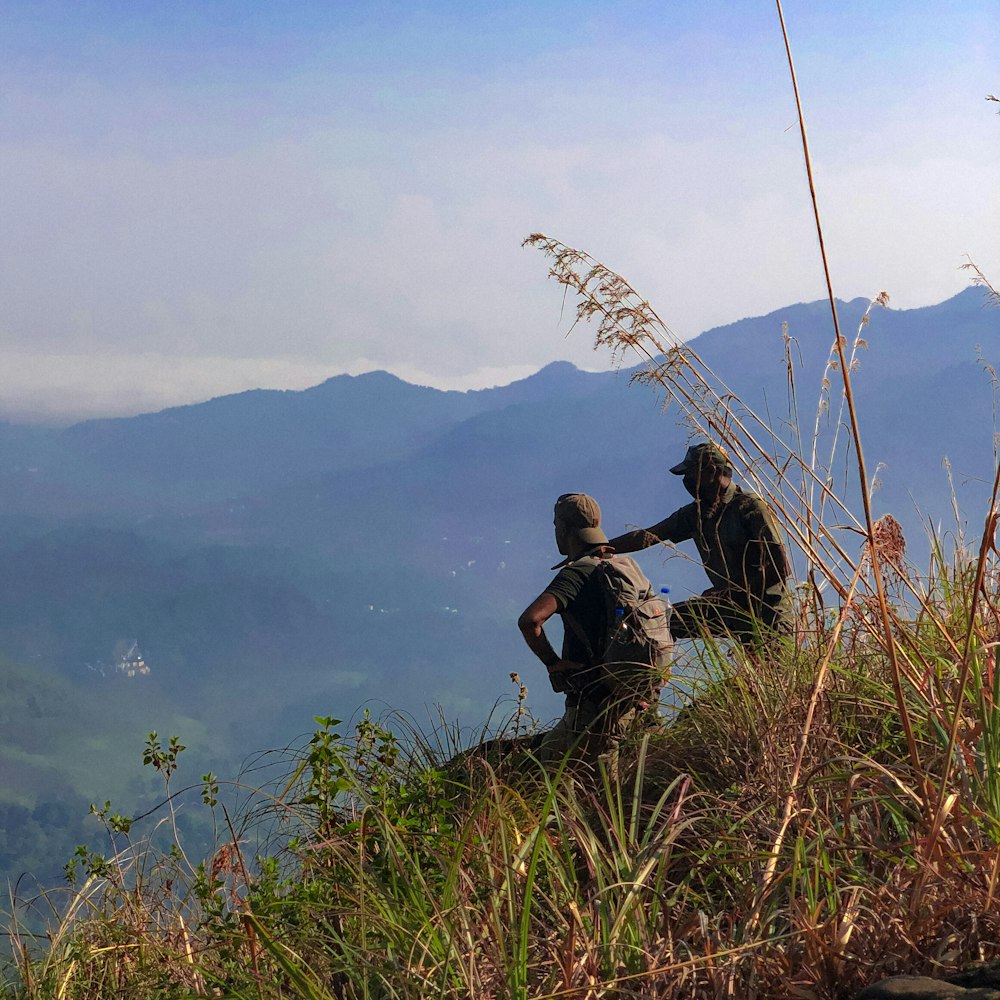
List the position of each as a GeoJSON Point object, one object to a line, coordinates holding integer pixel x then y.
{"type": "Point", "coordinates": [637, 626]}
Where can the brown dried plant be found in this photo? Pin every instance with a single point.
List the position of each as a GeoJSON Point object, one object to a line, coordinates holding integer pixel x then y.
{"type": "Point", "coordinates": [980, 280]}
{"type": "Point", "coordinates": [626, 322]}
{"type": "Point", "coordinates": [888, 544]}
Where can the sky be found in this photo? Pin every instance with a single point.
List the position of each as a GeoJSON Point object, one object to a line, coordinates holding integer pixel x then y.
{"type": "Point", "coordinates": [198, 198]}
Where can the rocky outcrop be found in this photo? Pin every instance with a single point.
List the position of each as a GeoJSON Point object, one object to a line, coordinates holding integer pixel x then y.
{"type": "Point", "coordinates": [979, 983]}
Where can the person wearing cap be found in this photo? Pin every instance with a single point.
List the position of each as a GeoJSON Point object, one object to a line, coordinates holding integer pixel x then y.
{"type": "Point", "coordinates": [741, 549]}
{"type": "Point", "coordinates": [601, 705]}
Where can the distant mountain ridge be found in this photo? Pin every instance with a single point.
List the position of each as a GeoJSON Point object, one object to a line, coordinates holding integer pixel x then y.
{"type": "Point", "coordinates": [351, 446]}
{"type": "Point", "coordinates": [261, 437]}
{"type": "Point", "coordinates": [280, 554]}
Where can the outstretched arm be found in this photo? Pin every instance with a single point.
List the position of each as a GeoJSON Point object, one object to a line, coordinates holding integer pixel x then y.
{"type": "Point", "coordinates": [633, 541]}
{"type": "Point", "coordinates": [676, 528]}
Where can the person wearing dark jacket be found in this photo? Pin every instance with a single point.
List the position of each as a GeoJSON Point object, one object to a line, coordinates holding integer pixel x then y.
{"type": "Point", "coordinates": [741, 549]}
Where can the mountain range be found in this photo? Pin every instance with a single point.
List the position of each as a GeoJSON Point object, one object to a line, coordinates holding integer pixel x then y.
{"type": "Point", "coordinates": [280, 554]}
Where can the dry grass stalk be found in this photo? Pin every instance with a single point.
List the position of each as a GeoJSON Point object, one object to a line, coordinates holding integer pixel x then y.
{"type": "Point", "coordinates": [832, 366]}
{"type": "Point", "coordinates": [980, 280]}
{"type": "Point", "coordinates": [791, 800]}
{"type": "Point", "coordinates": [889, 640]}
{"type": "Point", "coordinates": [627, 322]}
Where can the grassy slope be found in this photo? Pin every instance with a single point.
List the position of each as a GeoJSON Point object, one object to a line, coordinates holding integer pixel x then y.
{"type": "Point", "coordinates": [385, 870]}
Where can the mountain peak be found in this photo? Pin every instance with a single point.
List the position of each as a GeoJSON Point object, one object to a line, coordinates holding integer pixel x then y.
{"type": "Point", "coordinates": [371, 380]}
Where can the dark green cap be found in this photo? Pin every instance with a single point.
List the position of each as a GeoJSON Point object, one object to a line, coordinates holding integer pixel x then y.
{"type": "Point", "coordinates": [703, 454]}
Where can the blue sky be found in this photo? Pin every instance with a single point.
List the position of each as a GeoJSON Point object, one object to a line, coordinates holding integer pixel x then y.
{"type": "Point", "coordinates": [198, 198]}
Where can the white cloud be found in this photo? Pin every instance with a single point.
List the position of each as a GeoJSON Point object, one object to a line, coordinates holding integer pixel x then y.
{"type": "Point", "coordinates": [63, 388]}
{"type": "Point", "coordinates": [307, 221]}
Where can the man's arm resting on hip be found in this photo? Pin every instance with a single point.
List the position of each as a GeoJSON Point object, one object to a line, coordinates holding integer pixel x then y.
{"type": "Point", "coordinates": [531, 623]}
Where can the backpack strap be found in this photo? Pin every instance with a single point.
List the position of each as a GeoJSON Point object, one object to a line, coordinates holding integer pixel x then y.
{"type": "Point", "coordinates": [573, 623]}
{"type": "Point", "coordinates": [578, 631]}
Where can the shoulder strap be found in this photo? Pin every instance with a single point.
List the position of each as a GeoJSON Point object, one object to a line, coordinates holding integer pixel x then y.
{"type": "Point", "coordinates": [577, 629]}
{"type": "Point", "coordinates": [570, 619]}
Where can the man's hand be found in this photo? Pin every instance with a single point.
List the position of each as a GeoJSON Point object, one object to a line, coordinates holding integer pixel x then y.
{"type": "Point", "coordinates": [560, 673]}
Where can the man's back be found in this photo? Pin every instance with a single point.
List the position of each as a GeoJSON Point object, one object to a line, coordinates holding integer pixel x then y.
{"type": "Point", "coordinates": [742, 550]}
{"type": "Point", "coordinates": [580, 599]}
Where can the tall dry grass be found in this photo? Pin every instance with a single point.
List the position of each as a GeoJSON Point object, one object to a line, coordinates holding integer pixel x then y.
{"type": "Point", "coordinates": [385, 866]}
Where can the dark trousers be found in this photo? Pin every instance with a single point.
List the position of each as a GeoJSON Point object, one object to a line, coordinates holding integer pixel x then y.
{"type": "Point", "coordinates": [600, 714]}
{"type": "Point", "coordinates": [701, 617]}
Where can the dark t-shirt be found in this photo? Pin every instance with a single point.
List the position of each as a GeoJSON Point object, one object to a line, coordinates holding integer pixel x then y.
{"type": "Point", "coordinates": [576, 595]}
